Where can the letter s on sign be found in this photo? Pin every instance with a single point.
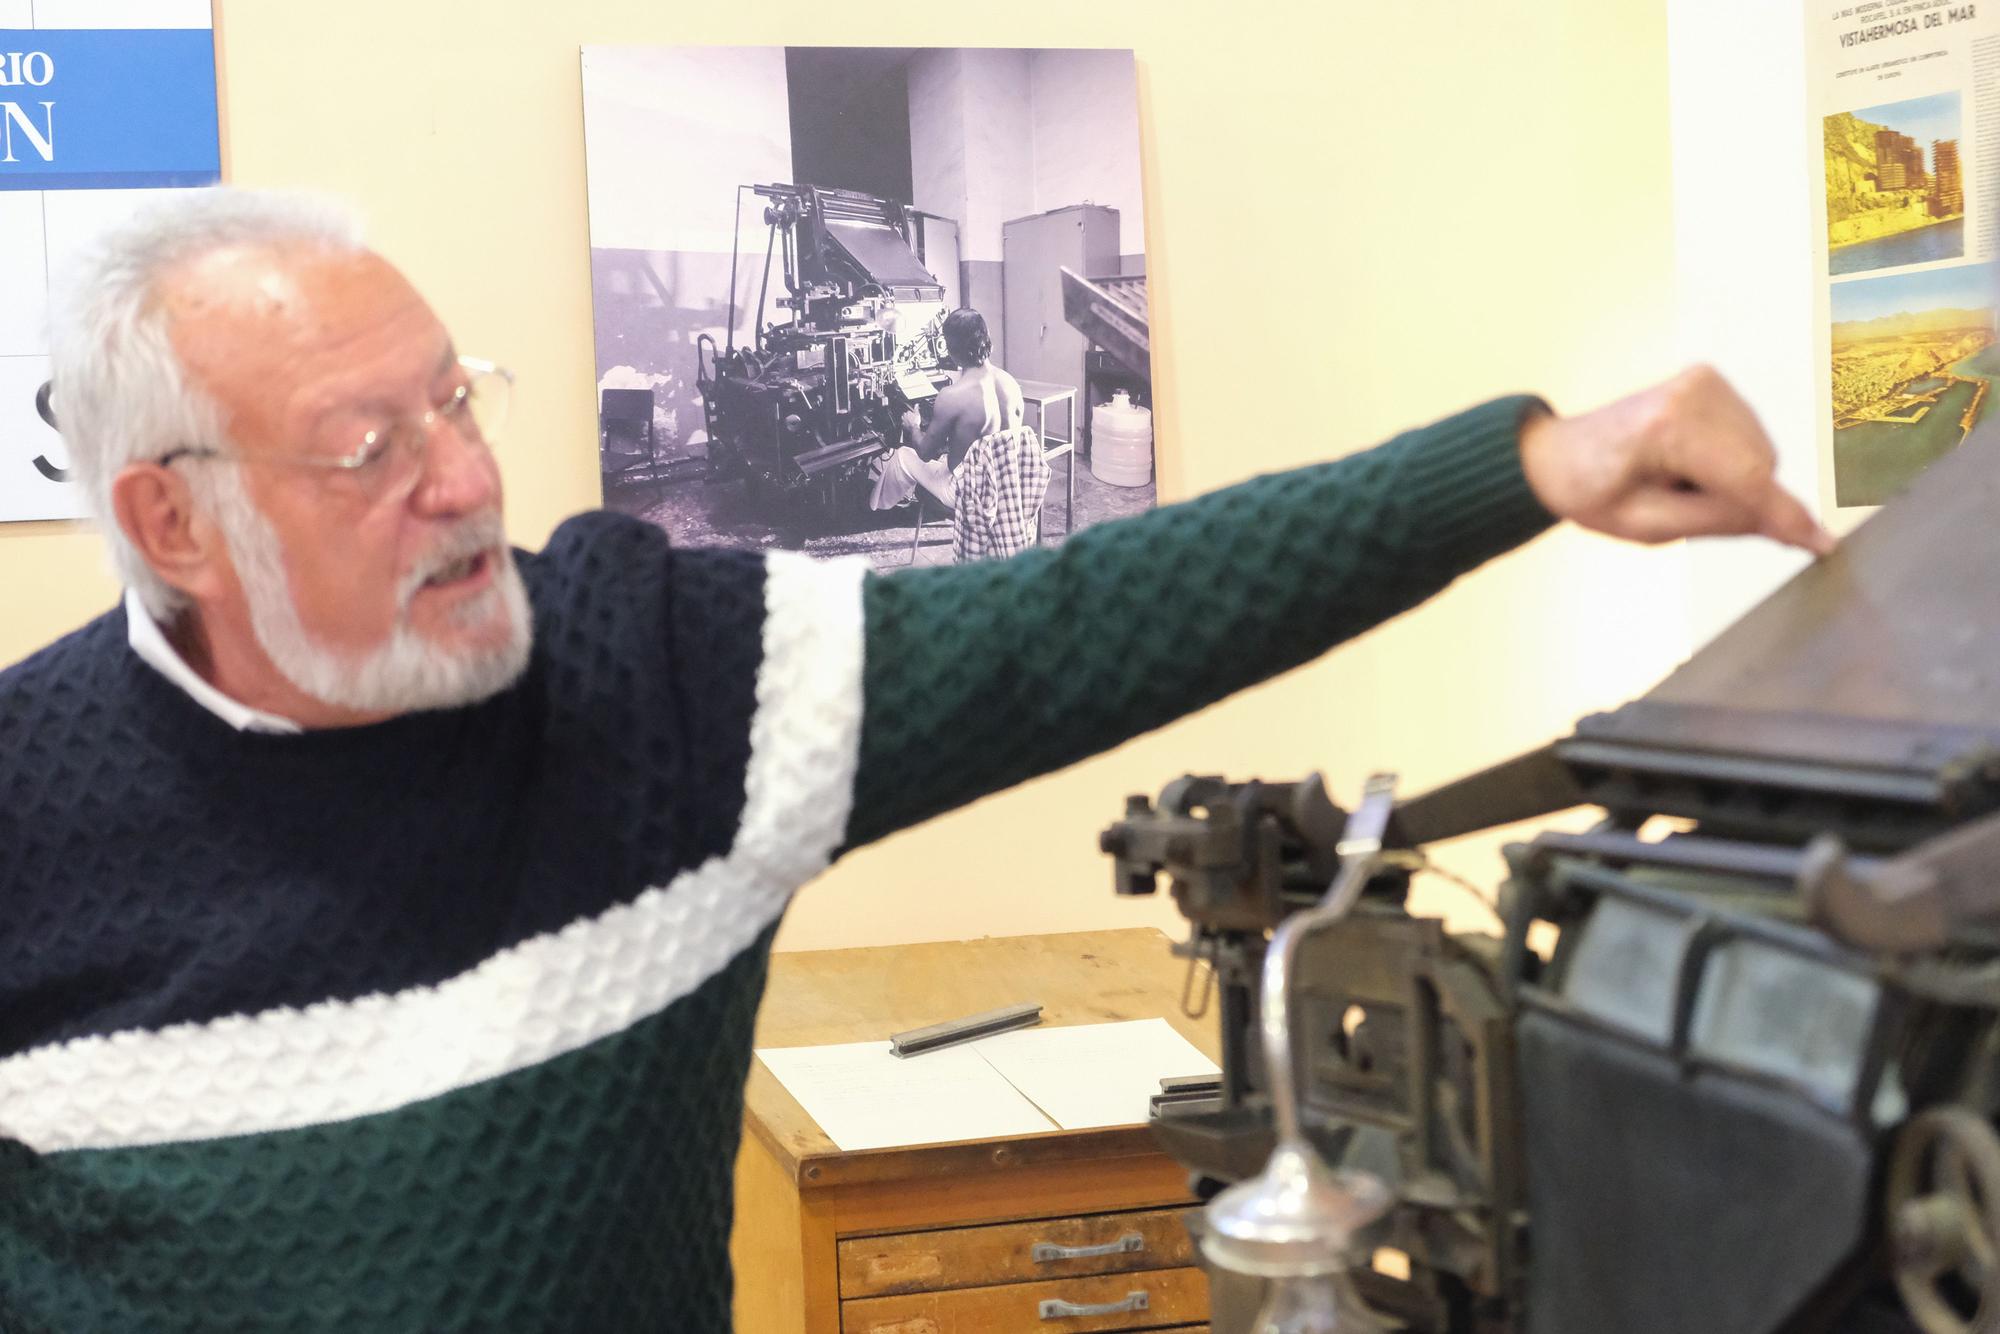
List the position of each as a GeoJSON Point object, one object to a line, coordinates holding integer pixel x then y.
{"type": "Point", "coordinates": [47, 414]}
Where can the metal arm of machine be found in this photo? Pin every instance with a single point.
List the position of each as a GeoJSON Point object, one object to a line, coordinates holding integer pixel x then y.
{"type": "Point", "coordinates": [1296, 1223]}
{"type": "Point", "coordinates": [1360, 854]}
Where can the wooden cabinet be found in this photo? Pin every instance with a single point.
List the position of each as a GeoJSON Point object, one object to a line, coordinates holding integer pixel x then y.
{"type": "Point", "coordinates": [1070, 1231]}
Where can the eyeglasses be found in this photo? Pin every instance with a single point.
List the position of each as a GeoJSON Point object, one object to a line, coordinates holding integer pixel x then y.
{"type": "Point", "coordinates": [389, 460]}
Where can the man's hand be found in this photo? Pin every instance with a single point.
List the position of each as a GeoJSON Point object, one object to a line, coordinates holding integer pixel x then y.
{"type": "Point", "coordinates": [1682, 459]}
{"type": "Point", "coordinates": [913, 426]}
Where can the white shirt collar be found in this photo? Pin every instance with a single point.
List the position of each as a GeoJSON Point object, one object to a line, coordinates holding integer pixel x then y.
{"type": "Point", "coordinates": [150, 643]}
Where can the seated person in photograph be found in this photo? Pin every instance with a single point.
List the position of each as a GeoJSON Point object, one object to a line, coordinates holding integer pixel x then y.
{"type": "Point", "coordinates": [982, 401]}
{"type": "Point", "coordinates": [387, 910]}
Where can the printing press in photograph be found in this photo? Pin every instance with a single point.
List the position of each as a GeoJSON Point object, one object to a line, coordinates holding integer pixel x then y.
{"type": "Point", "coordinates": [807, 412]}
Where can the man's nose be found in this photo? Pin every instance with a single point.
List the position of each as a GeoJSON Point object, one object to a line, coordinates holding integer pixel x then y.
{"type": "Point", "coordinates": [458, 474]}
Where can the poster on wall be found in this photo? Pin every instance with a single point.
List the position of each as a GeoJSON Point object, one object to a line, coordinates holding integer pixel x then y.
{"type": "Point", "coordinates": [876, 301]}
{"type": "Point", "coordinates": [1906, 108]}
{"type": "Point", "coordinates": [102, 104]}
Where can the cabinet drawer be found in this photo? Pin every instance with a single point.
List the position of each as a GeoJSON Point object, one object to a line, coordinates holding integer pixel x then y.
{"type": "Point", "coordinates": [1156, 1299]}
{"type": "Point", "coordinates": [968, 1257]}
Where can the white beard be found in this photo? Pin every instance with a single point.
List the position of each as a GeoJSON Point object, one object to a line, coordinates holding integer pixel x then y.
{"type": "Point", "coordinates": [406, 674]}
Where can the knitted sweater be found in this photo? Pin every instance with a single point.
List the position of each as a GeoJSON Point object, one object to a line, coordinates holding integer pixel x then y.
{"type": "Point", "coordinates": [442, 1024]}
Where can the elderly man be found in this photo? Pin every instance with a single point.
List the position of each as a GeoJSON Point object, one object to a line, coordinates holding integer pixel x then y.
{"type": "Point", "coordinates": [386, 911]}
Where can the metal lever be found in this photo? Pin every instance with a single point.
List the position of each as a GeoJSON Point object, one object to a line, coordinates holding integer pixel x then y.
{"type": "Point", "coordinates": [1298, 1218]}
{"type": "Point", "coordinates": [1055, 1308]}
{"type": "Point", "coordinates": [1196, 940]}
{"type": "Point", "coordinates": [1047, 1252]}
{"type": "Point", "coordinates": [1360, 850]}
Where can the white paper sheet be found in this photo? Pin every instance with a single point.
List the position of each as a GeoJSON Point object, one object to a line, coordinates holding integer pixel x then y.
{"type": "Point", "coordinates": [1094, 1074]}
{"type": "Point", "coordinates": [866, 1098]}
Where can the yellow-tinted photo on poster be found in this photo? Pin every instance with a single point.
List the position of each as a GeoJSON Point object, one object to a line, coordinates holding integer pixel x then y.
{"type": "Point", "coordinates": [1895, 185]}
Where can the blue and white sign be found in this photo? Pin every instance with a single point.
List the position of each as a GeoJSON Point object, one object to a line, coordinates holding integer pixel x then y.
{"type": "Point", "coordinates": [103, 103]}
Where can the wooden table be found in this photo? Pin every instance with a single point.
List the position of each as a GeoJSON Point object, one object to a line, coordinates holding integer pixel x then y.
{"type": "Point", "coordinates": [943, 1238]}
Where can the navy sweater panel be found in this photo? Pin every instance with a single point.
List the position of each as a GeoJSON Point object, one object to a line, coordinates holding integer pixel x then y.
{"type": "Point", "coordinates": [159, 867]}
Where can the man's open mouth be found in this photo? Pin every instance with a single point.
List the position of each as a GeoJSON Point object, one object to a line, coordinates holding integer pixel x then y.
{"type": "Point", "coordinates": [465, 567]}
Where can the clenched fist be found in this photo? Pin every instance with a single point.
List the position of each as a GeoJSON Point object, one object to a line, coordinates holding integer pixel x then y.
{"type": "Point", "coordinates": [1683, 459]}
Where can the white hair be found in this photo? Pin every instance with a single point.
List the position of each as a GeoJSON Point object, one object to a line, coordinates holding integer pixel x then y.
{"type": "Point", "coordinates": [121, 393]}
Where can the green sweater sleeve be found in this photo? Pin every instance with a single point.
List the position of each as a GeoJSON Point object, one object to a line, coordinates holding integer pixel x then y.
{"type": "Point", "coordinates": [979, 676]}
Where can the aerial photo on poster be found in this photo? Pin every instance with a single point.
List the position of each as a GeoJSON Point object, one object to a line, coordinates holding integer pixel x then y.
{"type": "Point", "coordinates": [1895, 187]}
{"type": "Point", "coordinates": [1913, 361]}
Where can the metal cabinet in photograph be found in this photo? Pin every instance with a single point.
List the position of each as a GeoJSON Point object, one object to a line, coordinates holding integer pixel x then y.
{"type": "Point", "coordinates": [1039, 343]}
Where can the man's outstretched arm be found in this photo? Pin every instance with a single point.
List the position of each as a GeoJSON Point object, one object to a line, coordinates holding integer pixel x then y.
{"type": "Point", "coordinates": [980, 676]}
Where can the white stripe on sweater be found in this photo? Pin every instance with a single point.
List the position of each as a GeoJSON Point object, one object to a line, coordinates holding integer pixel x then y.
{"type": "Point", "coordinates": [287, 1068]}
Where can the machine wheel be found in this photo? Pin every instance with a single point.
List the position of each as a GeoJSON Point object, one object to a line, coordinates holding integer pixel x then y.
{"type": "Point", "coordinates": [1943, 1197]}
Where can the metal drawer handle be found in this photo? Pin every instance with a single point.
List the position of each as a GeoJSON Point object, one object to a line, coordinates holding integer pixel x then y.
{"type": "Point", "coordinates": [1047, 1252]}
{"type": "Point", "coordinates": [1054, 1308]}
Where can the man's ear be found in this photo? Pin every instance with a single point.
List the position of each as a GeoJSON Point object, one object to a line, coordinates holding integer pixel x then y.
{"type": "Point", "coordinates": [153, 507]}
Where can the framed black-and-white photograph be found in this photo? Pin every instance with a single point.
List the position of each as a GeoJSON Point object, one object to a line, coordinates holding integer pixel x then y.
{"type": "Point", "coordinates": [887, 301]}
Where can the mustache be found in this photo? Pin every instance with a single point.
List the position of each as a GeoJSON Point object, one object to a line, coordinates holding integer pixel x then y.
{"type": "Point", "coordinates": [480, 533]}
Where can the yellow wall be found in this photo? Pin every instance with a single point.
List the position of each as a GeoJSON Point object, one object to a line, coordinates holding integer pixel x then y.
{"type": "Point", "coordinates": [1358, 216]}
